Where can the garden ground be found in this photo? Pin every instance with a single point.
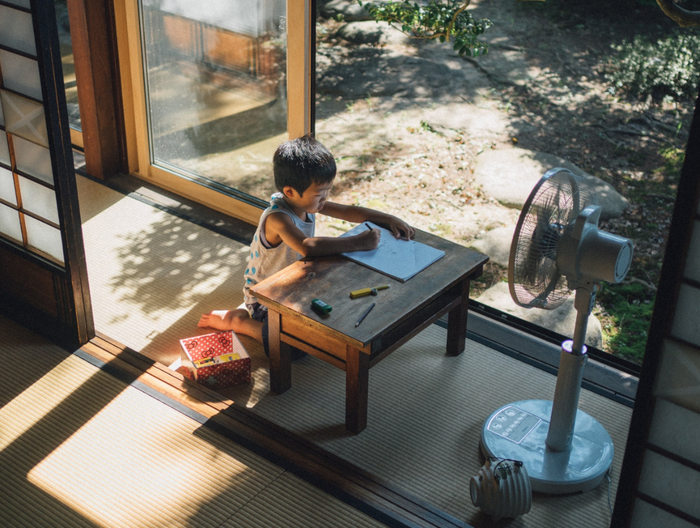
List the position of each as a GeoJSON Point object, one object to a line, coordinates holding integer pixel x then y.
{"type": "Point", "coordinates": [381, 109]}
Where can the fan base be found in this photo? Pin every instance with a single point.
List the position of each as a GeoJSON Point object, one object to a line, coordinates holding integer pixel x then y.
{"type": "Point", "coordinates": [518, 431]}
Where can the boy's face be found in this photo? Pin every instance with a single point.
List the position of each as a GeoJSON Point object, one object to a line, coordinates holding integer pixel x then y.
{"type": "Point", "coordinates": [312, 200]}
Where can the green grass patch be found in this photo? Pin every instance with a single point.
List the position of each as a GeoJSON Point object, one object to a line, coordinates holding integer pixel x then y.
{"type": "Point", "coordinates": [626, 309]}
{"type": "Point", "coordinates": [674, 158]}
{"type": "Point", "coordinates": [627, 314]}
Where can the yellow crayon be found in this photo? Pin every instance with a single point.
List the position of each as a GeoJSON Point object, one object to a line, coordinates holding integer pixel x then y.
{"type": "Point", "coordinates": [367, 291]}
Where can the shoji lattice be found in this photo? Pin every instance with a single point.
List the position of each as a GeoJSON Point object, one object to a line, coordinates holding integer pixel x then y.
{"type": "Point", "coordinates": [28, 206]}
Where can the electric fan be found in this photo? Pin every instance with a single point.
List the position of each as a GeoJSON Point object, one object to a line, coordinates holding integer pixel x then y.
{"type": "Point", "coordinates": [557, 248]}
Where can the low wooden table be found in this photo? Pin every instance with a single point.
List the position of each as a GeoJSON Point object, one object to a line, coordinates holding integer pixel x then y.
{"type": "Point", "coordinates": [400, 313]}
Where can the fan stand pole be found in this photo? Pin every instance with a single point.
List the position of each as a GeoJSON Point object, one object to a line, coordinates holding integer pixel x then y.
{"type": "Point", "coordinates": [571, 363]}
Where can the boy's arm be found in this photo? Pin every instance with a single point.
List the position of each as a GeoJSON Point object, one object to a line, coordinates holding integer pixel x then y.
{"type": "Point", "coordinates": [279, 227]}
{"type": "Point", "coordinates": [357, 214]}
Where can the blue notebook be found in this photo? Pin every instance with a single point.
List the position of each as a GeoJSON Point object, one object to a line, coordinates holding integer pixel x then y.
{"type": "Point", "coordinates": [399, 259]}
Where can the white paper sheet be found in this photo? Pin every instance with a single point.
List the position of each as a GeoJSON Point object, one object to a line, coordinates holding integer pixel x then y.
{"type": "Point", "coordinates": [399, 259]}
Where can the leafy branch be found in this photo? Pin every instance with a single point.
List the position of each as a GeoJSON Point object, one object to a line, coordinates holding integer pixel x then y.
{"type": "Point", "coordinates": [436, 20]}
{"type": "Point", "coordinates": [682, 17]}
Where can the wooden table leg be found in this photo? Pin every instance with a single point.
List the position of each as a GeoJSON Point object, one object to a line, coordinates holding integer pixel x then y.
{"type": "Point", "coordinates": [457, 323]}
{"type": "Point", "coordinates": [280, 356]}
{"type": "Point", "coordinates": [356, 390]}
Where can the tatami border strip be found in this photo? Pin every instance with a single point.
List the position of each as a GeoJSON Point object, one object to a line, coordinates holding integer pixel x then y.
{"type": "Point", "coordinates": [385, 509]}
{"type": "Point", "coordinates": [122, 376]}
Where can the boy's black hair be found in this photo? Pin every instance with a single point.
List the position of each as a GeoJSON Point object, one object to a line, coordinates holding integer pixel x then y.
{"type": "Point", "coordinates": [300, 162]}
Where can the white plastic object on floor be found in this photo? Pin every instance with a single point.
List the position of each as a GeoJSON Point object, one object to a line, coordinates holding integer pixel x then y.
{"type": "Point", "coordinates": [502, 489]}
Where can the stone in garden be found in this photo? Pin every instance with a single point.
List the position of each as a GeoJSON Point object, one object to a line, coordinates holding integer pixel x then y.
{"type": "Point", "coordinates": [349, 10]}
{"type": "Point", "coordinates": [509, 175]}
{"type": "Point", "coordinates": [467, 119]}
{"type": "Point", "coordinates": [383, 72]}
{"type": "Point", "coordinates": [562, 320]}
{"type": "Point", "coordinates": [496, 244]}
{"type": "Point", "coordinates": [371, 32]}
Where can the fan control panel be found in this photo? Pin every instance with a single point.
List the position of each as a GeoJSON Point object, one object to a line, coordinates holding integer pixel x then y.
{"type": "Point", "coordinates": [513, 424]}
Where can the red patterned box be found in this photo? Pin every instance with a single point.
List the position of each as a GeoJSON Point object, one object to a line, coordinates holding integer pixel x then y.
{"type": "Point", "coordinates": [216, 360]}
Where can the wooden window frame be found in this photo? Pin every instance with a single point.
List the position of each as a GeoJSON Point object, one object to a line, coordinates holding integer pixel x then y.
{"type": "Point", "coordinates": [97, 77]}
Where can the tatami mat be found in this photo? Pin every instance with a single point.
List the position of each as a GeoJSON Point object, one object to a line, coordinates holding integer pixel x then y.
{"type": "Point", "coordinates": [79, 447]}
{"type": "Point", "coordinates": [426, 410]}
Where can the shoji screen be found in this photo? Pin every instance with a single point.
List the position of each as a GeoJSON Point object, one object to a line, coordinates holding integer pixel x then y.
{"type": "Point", "coordinates": [42, 268]}
{"type": "Point", "coordinates": [660, 480]}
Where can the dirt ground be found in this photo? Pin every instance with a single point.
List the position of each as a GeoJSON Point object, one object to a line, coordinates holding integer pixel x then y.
{"type": "Point", "coordinates": [564, 108]}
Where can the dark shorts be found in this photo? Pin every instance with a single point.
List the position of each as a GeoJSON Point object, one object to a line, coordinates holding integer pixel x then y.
{"type": "Point", "coordinates": [259, 313]}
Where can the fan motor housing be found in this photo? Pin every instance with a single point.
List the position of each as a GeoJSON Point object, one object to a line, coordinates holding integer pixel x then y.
{"type": "Point", "coordinates": [587, 254]}
{"type": "Point", "coordinates": [605, 257]}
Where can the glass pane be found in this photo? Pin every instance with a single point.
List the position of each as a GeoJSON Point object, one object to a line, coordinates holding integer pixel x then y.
{"type": "Point", "coordinates": [38, 199]}
{"type": "Point", "coordinates": [44, 238]}
{"type": "Point", "coordinates": [33, 159]}
{"type": "Point", "coordinates": [7, 186]}
{"type": "Point", "coordinates": [21, 3]}
{"type": "Point", "coordinates": [17, 30]}
{"type": "Point", "coordinates": [677, 380]}
{"type": "Point", "coordinates": [648, 516]}
{"type": "Point", "coordinates": [685, 325]}
{"type": "Point", "coordinates": [20, 74]}
{"type": "Point", "coordinates": [216, 92]}
{"type": "Point", "coordinates": [670, 482]}
{"type": "Point", "coordinates": [4, 149]}
{"type": "Point", "coordinates": [666, 434]}
{"type": "Point", "coordinates": [24, 117]}
{"type": "Point", "coordinates": [692, 266]}
{"type": "Point", "coordinates": [68, 64]}
{"type": "Point", "coordinates": [9, 223]}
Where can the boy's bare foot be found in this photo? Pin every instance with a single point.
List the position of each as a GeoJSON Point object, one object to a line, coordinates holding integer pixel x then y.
{"type": "Point", "coordinates": [216, 319]}
{"type": "Point", "coordinates": [238, 320]}
{"type": "Point", "coordinates": [225, 319]}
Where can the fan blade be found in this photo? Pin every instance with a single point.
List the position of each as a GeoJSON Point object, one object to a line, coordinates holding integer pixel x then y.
{"type": "Point", "coordinates": [534, 276]}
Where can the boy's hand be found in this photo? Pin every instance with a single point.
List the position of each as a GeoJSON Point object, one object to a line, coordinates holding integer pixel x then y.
{"type": "Point", "coordinates": [368, 240]}
{"type": "Point", "coordinates": [401, 229]}
{"type": "Point", "coordinates": [356, 214]}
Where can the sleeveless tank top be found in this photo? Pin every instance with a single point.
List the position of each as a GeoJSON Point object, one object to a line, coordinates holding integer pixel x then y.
{"type": "Point", "coordinates": [264, 260]}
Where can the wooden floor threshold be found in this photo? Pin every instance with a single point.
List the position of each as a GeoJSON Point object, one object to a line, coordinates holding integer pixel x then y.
{"type": "Point", "coordinates": [367, 493]}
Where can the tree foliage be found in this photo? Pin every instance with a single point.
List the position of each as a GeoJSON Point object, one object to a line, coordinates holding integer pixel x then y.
{"type": "Point", "coordinates": [447, 21]}
{"type": "Point", "coordinates": [669, 67]}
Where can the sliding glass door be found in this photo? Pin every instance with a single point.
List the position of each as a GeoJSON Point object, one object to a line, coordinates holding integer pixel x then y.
{"type": "Point", "coordinates": [68, 67]}
{"type": "Point", "coordinates": [210, 89]}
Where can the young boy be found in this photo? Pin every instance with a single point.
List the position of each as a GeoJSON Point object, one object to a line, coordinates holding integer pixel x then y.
{"type": "Point", "coordinates": [304, 171]}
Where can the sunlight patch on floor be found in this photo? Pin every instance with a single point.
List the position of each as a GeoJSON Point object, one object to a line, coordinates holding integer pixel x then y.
{"type": "Point", "coordinates": [152, 274]}
{"type": "Point", "coordinates": [30, 406]}
{"type": "Point", "coordinates": [156, 468]}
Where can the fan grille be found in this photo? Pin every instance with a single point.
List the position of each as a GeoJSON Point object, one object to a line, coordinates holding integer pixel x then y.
{"type": "Point", "coordinates": [554, 204]}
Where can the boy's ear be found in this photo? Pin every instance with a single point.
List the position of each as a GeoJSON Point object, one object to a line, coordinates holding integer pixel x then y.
{"type": "Point", "coordinates": [289, 191]}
